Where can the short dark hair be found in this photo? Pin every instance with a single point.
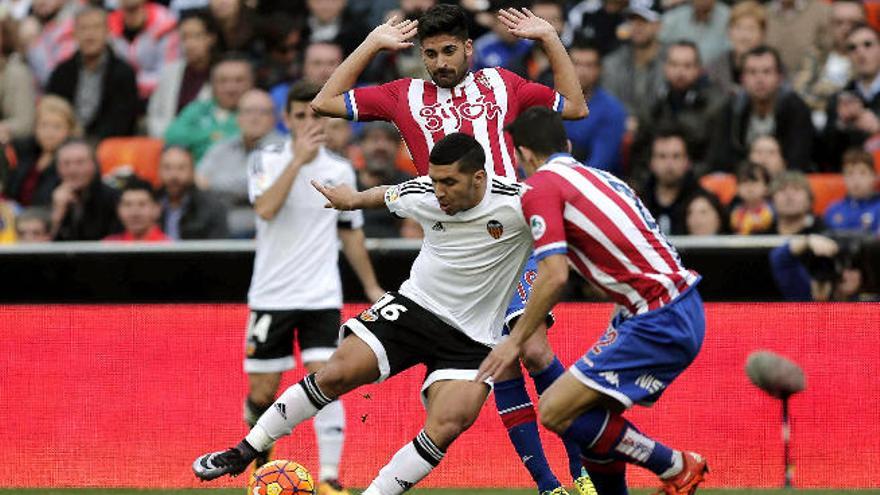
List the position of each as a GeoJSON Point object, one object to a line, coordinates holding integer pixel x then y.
{"type": "Point", "coordinates": [236, 58]}
{"type": "Point", "coordinates": [582, 43]}
{"type": "Point", "coordinates": [863, 25]}
{"type": "Point", "coordinates": [444, 19]}
{"type": "Point", "coordinates": [540, 130]}
{"type": "Point", "coordinates": [78, 141]}
{"type": "Point", "coordinates": [749, 171]}
{"type": "Point", "coordinates": [301, 91]}
{"type": "Point", "coordinates": [855, 156]}
{"type": "Point", "coordinates": [760, 51]}
{"type": "Point", "coordinates": [135, 183]}
{"type": "Point", "coordinates": [686, 44]}
{"type": "Point", "coordinates": [462, 148]}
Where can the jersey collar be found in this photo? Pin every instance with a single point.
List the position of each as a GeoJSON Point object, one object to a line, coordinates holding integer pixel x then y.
{"type": "Point", "coordinates": [562, 158]}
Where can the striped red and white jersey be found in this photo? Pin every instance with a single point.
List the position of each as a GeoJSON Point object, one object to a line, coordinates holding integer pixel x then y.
{"type": "Point", "coordinates": [481, 105]}
{"type": "Point", "coordinates": [606, 232]}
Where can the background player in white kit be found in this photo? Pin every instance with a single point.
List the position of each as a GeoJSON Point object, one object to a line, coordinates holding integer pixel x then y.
{"type": "Point", "coordinates": [446, 315]}
{"type": "Point", "coordinates": [296, 283]}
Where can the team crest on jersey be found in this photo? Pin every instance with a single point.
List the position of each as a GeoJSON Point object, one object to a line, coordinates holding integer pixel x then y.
{"type": "Point", "coordinates": [369, 315]}
{"type": "Point", "coordinates": [392, 194]}
{"type": "Point", "coordinates": [538, 225]}
{"type": "Point", "coordinates": [484, 81]}
{"type": "Point", "coordinates": [495, 229]}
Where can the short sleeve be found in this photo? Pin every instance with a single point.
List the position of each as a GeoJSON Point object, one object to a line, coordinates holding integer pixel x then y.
{"type": "Point", "coordinates": [402, 199]}
{"type": "Point", "coordinates": [260, 176]}
{"type": "Point", "coordinates": [542, 206]}
{"type": "Point", "coordinates": [374, 102]}
{"type": "Point", "coordinates": [532, 94]}
{"type": "Point", "coordinates": [350, 219]}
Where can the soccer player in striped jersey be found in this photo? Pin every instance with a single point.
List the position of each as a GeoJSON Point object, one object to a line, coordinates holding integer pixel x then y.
{"type": "Point", "coordinates": [480, 104]}
{"type": "Point", "coordinates": [588, 218]}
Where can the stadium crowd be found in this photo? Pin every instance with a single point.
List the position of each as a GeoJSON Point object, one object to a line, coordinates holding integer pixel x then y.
{"type": "Point", "coordinates": [133, 119]}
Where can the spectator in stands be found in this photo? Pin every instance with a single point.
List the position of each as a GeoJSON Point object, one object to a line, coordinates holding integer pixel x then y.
{"type": "Point", "coordinates": [283, 43]}
{"type": "Point", "coordinates": [35, 176]}
{"type": "Point", "coordinates": [17, 95]}
{"type": "Point", "coordinates": [144, 33]}
{"type": "Point", "coordinates": [860, 210]}
{"type": "Point", "coordinates": [702, 21]}
{"type": "Point", "coordinates": [205, 122]}
{"type": "Point", "coordinates": [223, 169]}
{"type": "Point", "coordinates": [188, 212]}
{"type": "Point", "coordinates": [766, 152]}
{"type": "Point", "coordinates": [598, 21]}
{"type": "Point", "coordinates": [824, 72]}
{"type": "Point", "coordinates": [746, 30]}
{"type": "Point", "coordinates": [185, 80]}
{"type": "Point", "coordinates": [537, 65]}
{"type": "Point", "coordinates": [100, 86]}
{"type": "Point", "coordinates": [406, 62]}
{"type": "Point", "coordinates": [501, 48]}
{"type": "Point", "coordinates": [766, 107]}
{"type": "Point", "coordinates": [796, 26]}
{"type": "Point", "coordinates": [33, 225]}
{"type": "Point", "coordinates": [379, 142]}
{"type": "Point", "coordinates": [751, 212]}
{"type": "Point", "coordinates": [854, 112]}
{"type": "Point", "coordinates": [671, 181]}
{"type": "Point", "coordinates": [236, 25]}
{"type": "Point", "coordinates": [330, 21]}
{"type": "Point", "coordinates": [793, 204]}
{"type": "Point", "coordinates": [338, 137]}
{"type": "Point", "coordinates": [138, 212]}
{"type": "Point", "coordinates": [595, 140]}
{"type": "Point", "coordinates": [54, 41]}
{"type": "Point", "coordinates": [688, 101]}
{"type": "Point", "coordinates": [15, 10]}
{"type": "Point", "coordinates": [704, 215]}
{"type": "Point", "coordinates": [321, 59]}
{"type": "Point", "coordinates": [83, 207]}
{"type": "Point", "coordinates": [816, 268]}
{"type": "Point", "coordinates": [634, 72]}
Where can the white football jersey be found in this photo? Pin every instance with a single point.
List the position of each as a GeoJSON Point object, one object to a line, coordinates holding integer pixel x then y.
{"type": "Point", "coordinates": [469, 262]}
{"type": "Point", "coordinates": [296, 265]}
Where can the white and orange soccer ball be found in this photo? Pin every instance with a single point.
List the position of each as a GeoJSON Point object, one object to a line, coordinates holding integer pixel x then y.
{"type": "Point", "coordinates": [281, 478]}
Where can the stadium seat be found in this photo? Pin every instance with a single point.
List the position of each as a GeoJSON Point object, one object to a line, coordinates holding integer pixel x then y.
{"type": "Point", "coordinates": [876, 154]}
{"type": "Point", "coordinates": [140, 155]}
{"type": "Point", "coordinates": [721, 185]}
{"type": "Point", "coordinates": [827, 188]}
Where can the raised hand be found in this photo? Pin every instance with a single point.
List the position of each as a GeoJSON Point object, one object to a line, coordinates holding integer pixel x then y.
{"type": "Point", "coordinates": [393, 35]}
{"type": "Point", "coordinates": [524, 24]}
{"type": "Point", "coordinates": [307, 144]}
{"type": "Point", "coordinates": [341, 197]}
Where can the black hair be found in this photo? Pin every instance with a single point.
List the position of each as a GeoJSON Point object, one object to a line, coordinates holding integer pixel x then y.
{"type": "Point", "coordinates": [234, 57]}
{"type": "Point", "coordinates": [581, 42]}
{"type": "Point", "coordinates": [540, 130]}
{"type": "Point", "coordinates": [724, 224]}
{"type": "Point", "coordinates": [760, 51]}
{"type": "Point", "coordinates": [682, 43]}
{"type": "Point", "coordinates": [444, 19]}
{"type": "Point", "coordinates": [749, 171]}
{"type": "Point", "coordinates": [461, 148]}
{"type": "Point", "coordinates": [302, 91]}
{"type": "Point", "coordinates": [135, 183]}
{"type": "Point", "coordinates": [203, 16]}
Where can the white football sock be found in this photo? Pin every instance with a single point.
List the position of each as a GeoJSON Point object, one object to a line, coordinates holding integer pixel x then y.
{"type": "Point", "coordinates": [408, 466]}
{"type": "Point", "coordinates": [289, 410]}
{"type": "Point", "coordinates": [330, 433]}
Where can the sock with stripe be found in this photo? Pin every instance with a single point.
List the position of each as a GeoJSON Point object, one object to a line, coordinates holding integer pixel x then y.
{"type": "Point", "coordinates": [598, 431]}
{"type": "Point", "coordinates": [518, 415]}
{"type": "Point", "coordinates": [408, 466]}
{"type": "Point", "coordinates": [297, 404]}
{"type": "Point", "coordinates": [543, 379]}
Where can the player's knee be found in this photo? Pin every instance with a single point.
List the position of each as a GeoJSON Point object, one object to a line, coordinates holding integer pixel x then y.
{"type": "Point", "coordinates": [536, 355]}
{"type": "Point", "coordinates": [333, 380]}
{"type": "Point", "coordinates": [445, 429]}
{"type": "Point", "coordinates": [553, 418]}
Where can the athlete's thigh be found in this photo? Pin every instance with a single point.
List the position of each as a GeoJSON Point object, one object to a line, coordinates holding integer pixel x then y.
{"type": "Point", "coordinates": [352, 364]}
{"type": "Point", "coordinates": [269, 341]}
{"type": "Point", "coordinates": [568, 398]}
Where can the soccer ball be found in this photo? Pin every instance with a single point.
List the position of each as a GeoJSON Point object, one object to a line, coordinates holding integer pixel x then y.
{"type": "Point", "coordinates": [281, 478]}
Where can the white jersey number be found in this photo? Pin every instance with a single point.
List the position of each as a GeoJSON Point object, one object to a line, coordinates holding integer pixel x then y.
{"type": "Point", "coordinates": [390, 312]}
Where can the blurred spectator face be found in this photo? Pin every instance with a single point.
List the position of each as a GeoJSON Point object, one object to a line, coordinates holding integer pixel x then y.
{"type": "Point", "coordinates": [702, 218]}
{"type": "Point", "coordinates": [791, 200]}
{"type": "Point", "coordinates": [703, 7]}
{"type": "Point", "coordinates": [752, 192]}
{"type": "Point", "coordinates": [256, 114]}
{"type": "Point", "coordinates": [745, 33]}
{"type": "Point", "coordinates": [51, 130]}
{"type": "Point", "coordinates": [131, 4]}
{"type": "Point", "coordinates": [338, 135]}
{"type": "Point", "coordinates": [300, 116]}
{"type": "Point", "coordinates": [761, 77]}
{"type": "Point", "coordinates": [138, 211]}
{"type": "Point", "coordinates": [380, 150]}
{"type": "Point", "coordinates": [587, 66]}
{"type": "Point", "coordinates": [196, 40]}
{"type": "Point", "coordinates": [32, 230]}
{"type": "Point", "coordinates": [863, 47]}
{"type": "Point", "coordinates": [682, 68]}
{"type": "Point", "coordinates": [552, 13]}
{"type": "Point", "coordinates": [765, 151]}
{"type": "Point", "coordinates": [643, 33]}
{"type": "Point", "coordinates": [229, 81]}
{"type": "Point", "coordinates": [90, 32]}
{"type": "Point", "coordinates": [320, 61]}
{"type": "Point", "coordinates": [669, 160]}
{"type": "Point", "coordinates": [446, 59]}
{"type": "Point", "coordinates": [225, 9]}
{"type": "Point", "coordinates": [44, 9]}
{"type": "Point", "coordinates": [326, 11]}
{"type": "Point", "coordinates": [844, 16]}
{"type": "Point", "coordinates": [413, 9]}
{"type": "Point", "coordinates": [76, 166]}
{"type": "Point", "coordinates": [176, 171]}
{"type": "Point", "coordinates": [860, 179]}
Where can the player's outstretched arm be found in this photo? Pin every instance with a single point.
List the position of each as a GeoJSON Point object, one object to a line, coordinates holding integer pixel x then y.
{"type": "Point", "coordinates": [525, 24]}
{"type": "Point", "coordinates": [548, 287]}
{"type": "Point", "coordinates": [344, 198]}
{"type": "Point", "coordinates": [393, 35]}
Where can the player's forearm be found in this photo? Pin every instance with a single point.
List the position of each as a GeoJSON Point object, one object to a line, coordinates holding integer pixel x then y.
{"type": "Point", "coordinates": [371, 198]}
{"type": "Point", "coordinates": [356, 253]}
{"type": "Point", "coordinates": [343, 79]}
{"type": "Point", "coordinates": [565, 79]}
{"type": "Point", "coordinates": [546, 292]}
{"type": "Point", "coordinates": [268, 203]}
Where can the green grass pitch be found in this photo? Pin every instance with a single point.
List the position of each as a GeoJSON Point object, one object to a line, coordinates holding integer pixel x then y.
{"type": "Point", "coordinates": [34, 491]}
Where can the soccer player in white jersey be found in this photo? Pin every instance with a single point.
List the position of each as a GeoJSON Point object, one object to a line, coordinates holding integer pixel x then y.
{"type": "Point", "coordinates": [295, 284]}
{"type": "Point", "coordinates": [480, 104]}
{"type": "Point", "coordinates": [447, 315]}
{"type": "Point", "coordinates": [591, 220]}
